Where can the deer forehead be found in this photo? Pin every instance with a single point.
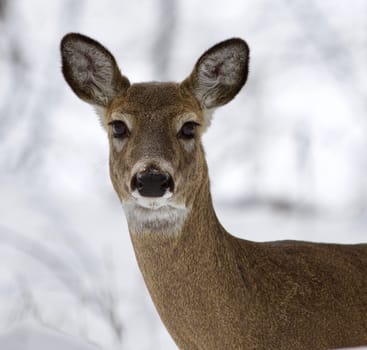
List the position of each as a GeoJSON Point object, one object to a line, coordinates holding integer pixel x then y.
{"type": "Point", "coordinates": [153, 104]}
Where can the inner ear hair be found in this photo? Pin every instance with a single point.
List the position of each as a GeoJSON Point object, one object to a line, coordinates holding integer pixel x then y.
{"type": "Point", "coordinates": [219, 73]}
{"type": "Point", "coordinates": [91, 70]}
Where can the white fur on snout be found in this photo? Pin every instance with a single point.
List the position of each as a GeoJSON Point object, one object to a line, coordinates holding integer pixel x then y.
{"type": "Point", "coordinates": [151, 202]}
{"type": "Point", "coordinates": [154, 215]}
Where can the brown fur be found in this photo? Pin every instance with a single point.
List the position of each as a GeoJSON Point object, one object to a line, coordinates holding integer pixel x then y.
{"type": "Point", "coordinates": [211, 289]}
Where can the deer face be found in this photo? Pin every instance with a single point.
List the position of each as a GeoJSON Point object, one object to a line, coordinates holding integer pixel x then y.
{"type": "Point", "coordinates": [157, 162]}
{"type": "Point", "coordinates": [155, 149]}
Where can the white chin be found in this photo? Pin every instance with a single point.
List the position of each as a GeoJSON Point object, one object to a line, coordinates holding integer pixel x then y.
{"type": "Point", "coordinates": [155, 215]}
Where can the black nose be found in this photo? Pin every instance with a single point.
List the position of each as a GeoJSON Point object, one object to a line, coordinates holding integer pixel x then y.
{"type": "Point", "coordinates": [152, 183]}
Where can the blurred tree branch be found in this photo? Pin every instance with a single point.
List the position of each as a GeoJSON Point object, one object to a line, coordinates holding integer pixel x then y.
{"type": "Point", "coordinates": [166, 32]}
{"type": "Point", "coordinates": [100, 298]}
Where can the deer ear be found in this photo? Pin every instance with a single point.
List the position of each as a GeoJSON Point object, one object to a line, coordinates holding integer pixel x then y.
{"type": "Point", "coordinates": [220, 73]}
{"type": "Point", "coordinates": [91, 70]}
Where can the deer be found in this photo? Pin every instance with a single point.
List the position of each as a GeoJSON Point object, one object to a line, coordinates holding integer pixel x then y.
{"type": "Point", "coordinates": [211, 289]}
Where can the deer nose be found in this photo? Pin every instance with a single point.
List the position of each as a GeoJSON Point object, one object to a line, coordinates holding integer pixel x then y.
{"type": "Point", "coordinates": [152, 183]}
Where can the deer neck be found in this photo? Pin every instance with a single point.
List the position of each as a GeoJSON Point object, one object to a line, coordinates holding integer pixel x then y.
{"type": "Point", "coordinates": [167, 249]}
{"type": "Point", "coordinates": [188, 274]}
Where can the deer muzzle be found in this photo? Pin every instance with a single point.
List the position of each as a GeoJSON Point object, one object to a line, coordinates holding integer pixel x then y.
{"type": "Point", "coordinates": [152, 183]}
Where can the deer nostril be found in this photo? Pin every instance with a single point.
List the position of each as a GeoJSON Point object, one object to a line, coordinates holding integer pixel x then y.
{"type": "Point", "coordinates": [139, 182]}
{"type": "Point", "coordinates": [165, 179]}
{"type": "Point", "coordinates": [152, 184]}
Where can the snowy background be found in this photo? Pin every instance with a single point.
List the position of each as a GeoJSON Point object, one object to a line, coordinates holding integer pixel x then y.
{"type": "Point", "coordinates": [287, 157]}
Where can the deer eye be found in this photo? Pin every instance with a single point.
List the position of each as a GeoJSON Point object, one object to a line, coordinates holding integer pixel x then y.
{"type": "Point", "coordinates": [188, 130]}
{"type": "Point", "coordinates": [119, 129]}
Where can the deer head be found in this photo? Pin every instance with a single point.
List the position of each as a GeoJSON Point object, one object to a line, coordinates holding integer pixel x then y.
{"type": "Point", "coordinates": [157, 163]}
{"type": "Point", "coordinates": [211, 289]}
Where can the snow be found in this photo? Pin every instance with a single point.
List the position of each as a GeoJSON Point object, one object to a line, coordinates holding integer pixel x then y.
{"type": "Point", "coordinates": [287, 157]}
{"type": "Point", "coordinates": [29, 336]}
